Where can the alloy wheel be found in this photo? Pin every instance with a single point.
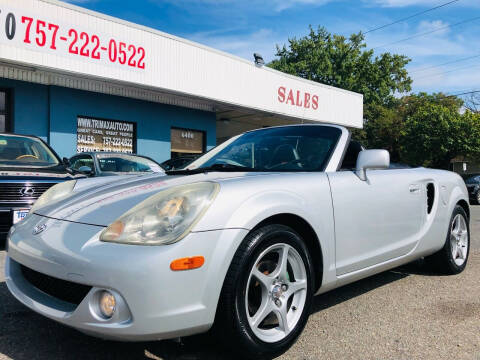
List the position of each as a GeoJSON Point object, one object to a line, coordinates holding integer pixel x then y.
{"type": "Point", "coordinates": [276, 292]}
{"type": "Point", "coordinates": [459, 240]}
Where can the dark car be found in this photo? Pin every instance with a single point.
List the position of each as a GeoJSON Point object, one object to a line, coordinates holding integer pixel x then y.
{"type": "Point", "coordinates": [28, 167]}
{"type": "Point", "coordinates": [178, 162]}
{"type": "Point", "coordinates": [473, 185]}
{"type": "Point", "coordinates": [112, 163]}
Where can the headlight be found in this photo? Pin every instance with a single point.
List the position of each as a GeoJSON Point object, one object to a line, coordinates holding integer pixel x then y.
{"type": "Point", "coordinates": [56, 192]}
{"type": "Point", "coordinates": [164, 218]}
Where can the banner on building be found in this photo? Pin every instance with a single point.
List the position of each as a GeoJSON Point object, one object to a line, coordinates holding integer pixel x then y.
{"type": "Point", "coordinates": [105, 135]}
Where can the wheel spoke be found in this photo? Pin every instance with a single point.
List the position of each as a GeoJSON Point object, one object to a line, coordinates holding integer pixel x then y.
{"type": "Point", "coordinates": [262, 312]}
{"type": "Point", "coordinates": [453, 239]}
{"type": "Point", "coordinates": [454, 250]}
{"type": "Point", "coordinates": [295, 287]}
{"type": "Point", "coordinates": [281, 314]}
{"type": "Point", "coordinates": [263, 279]}
{"type": "Point", "coordinates": [281, 269]}
{"type": "Point", "coordinates": [463, 224]}
{"type": "Point", "coordinates": [459, 254]}
{"type": "Point", "coordinates": [456, 226]}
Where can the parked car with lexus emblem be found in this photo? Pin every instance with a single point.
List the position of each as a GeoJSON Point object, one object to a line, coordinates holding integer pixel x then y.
{"type": "Point", "coordinates": [237, 243]}
{"type": "Point", "coordinates": [28, 167]}
{"type": "Point", "coordinates": [113, 163]}
{"type": "Point", "coordinates": [473, 185]}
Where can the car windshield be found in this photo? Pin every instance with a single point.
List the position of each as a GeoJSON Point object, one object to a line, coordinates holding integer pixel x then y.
{"type": "Point", "coordinates": [22, 151]}
{"type": "Point", "coordinates": [289, 148]}
{"type": "Point", "coordinates": [473, 179]}
{"type": "Point", "coordinates": [177, 163]}
{"type": "Point", "coordinates": [122, 163]}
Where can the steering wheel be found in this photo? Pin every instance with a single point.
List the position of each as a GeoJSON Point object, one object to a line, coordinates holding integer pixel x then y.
{"type": "Point", "coordinates": [26, 156]}
{"type": "Point", "coordinates": [297, 161]}
{"type": "Point", "coordinates": [230, 162]}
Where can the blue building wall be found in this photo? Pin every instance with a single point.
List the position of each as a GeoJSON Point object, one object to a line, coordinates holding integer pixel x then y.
{"type": "Point", "coordinates": [30, 107]}
{"type": "Point", "coordinates": [51, 112]}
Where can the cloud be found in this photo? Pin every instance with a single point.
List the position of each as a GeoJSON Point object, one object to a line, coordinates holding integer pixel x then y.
{"type": "Point", "coordinates": [281, 5]}
{"type": "Point", "coordinates": [244, 45]}
{"type": "Point", "coordinates": [402, 3]}
{"type": "Point", "coordinates": [420, 3]}
{"type": "Point", "coordinates": [257, 6]}
{"type": "Point", "coordinates": [426, 26]}
{"type": "Point", "coordinates": [80, 2]}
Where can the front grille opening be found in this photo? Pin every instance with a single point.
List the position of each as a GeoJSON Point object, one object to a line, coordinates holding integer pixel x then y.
{"type": "Point", "coordinates": [23, 192]}
{"type": "Point", "coordinates": [61, 289]}
{"type": "Point", "coordinates": [5, 221]}
{"type": "Point", "coordinates": [430, 197]}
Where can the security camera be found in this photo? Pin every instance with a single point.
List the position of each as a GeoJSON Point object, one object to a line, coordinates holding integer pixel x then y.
{"type": "Point", "coordinates": [258, 59]}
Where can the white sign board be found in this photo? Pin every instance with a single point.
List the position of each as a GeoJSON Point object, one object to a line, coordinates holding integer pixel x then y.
{"type": "Point", "coordinates": [58, 36]}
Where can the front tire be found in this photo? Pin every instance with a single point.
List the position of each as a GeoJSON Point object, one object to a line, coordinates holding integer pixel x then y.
{"type": "Point", "coordinates": [452, 258]}
{"type": "Point", "coordinates": [267, 294]}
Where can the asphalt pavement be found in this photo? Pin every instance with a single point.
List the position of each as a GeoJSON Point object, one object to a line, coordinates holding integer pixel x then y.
{"type": "Point", "coordinates": [406, 313]}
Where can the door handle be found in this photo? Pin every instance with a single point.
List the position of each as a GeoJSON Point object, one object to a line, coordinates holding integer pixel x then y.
{"type": "Point", "coordinates": [415, 188]}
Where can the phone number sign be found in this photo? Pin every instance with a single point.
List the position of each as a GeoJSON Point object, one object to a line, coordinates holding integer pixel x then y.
{"type": "Point", "coordinates": [40, 34]}
{"type": "Point", "coordinates": [105, 135]}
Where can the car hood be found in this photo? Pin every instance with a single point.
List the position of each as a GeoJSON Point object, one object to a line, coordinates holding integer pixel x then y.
{"type": "Point", "coordinates": [54, 173]}
{"type": "Point", "coordinates": [100, 201]}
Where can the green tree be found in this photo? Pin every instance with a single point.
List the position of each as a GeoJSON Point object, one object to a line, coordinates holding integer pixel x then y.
{"type": "Point", "coordinates": [434, 134]}
{"type": "Point", "coordinates": [344, 63]}
{"type": "Point", "coordinates": [384, 124]}
{"type": "Point", "coordinates": [382, 129]}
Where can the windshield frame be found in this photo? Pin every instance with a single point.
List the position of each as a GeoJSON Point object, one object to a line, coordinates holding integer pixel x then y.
{"type": "Point", "coordinates": [332, 156]}
{"type": "Point", "coordinates": [100, 155]}
{"type": "Point", "coordinates": [47, 149]}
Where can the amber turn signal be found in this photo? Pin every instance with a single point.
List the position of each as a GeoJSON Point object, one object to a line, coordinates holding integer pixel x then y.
{"type": "Point", "coordinates": [187, 263]}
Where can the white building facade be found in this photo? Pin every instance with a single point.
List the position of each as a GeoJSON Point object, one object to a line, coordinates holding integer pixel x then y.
{"type": "Point", "coordinates": [86, 81]}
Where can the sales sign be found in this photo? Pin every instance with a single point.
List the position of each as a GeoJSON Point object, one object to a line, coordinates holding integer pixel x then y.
{"type": "Point", "coordinates": [105, 135]}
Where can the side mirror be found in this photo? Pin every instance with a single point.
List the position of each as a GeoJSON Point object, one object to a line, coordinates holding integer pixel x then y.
{"type": "Point", "coordinates": [371, 159]}
{"type": "Point", "coordinates": [85, 170]}
{"type": "Point", "coordinates": [66, 162]}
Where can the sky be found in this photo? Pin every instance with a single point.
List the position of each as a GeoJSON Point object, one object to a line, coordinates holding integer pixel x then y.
{"type": "Point", "coordinates": [445, 59]}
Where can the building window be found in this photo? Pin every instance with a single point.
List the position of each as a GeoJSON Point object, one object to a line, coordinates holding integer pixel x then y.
{"type": "Point", "coordinates": [4, 111]}
{"type": "Point", "coordinates": [187, 142]}
{"type": "Point", "coordinates": [106, 135]}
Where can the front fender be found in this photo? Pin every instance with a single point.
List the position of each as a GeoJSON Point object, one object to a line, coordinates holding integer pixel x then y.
{"type": "Point", "coordinates": [243, 206]}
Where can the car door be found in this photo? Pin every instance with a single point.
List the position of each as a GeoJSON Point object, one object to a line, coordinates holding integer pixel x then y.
{"type": "Point", "coordinates": [378, 219]}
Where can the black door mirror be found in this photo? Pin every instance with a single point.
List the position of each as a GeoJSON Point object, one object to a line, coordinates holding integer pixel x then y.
{"type": "Point", "coordinates": [66, 162]}
{"type": "Point", "coordinates": [86, 170]}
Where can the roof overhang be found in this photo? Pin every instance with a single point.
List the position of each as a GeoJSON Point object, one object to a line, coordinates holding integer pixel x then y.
{"type": "Point", "coordinates": [162, 68]}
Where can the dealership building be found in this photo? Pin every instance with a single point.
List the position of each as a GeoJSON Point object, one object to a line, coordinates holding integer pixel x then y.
{"type": "Point", "coordinates": [85, 81]}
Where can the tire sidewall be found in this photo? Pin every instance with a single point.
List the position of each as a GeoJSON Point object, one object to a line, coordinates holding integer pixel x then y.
{"type": "Point", "coordinates": [266, 237]}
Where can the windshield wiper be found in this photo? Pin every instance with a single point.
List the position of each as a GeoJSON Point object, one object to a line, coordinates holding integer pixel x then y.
{"type": "Point", "coordinates": [214, 167]}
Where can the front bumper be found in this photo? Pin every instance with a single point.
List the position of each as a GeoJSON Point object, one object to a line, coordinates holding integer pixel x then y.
{"type": "Point", "coordinates": [153, 301]}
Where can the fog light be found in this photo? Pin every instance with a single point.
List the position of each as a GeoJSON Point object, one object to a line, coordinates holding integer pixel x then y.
{"type": "Point", "coordinates": [107, 304]}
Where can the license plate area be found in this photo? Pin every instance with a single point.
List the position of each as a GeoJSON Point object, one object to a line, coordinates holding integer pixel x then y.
{"type": "Point", "coordinates": [19, 215]}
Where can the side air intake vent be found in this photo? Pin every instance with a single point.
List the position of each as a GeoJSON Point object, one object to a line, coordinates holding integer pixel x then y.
{"type": "Point", "coordinates": [430, 197]}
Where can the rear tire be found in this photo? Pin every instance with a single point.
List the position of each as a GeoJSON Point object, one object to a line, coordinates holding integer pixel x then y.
{"type": "Point", "coordinates": [267, 294]}
{"type": "Point", "coordinates": [452, 258]}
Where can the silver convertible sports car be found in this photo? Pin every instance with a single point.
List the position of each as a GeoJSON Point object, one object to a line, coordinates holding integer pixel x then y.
{"type": "Point", "coordinates": [237, 244]}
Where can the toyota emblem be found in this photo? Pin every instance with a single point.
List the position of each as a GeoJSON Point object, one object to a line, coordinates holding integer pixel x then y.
{"type": "Point", "coordinates": [27, 191]}
{"type": "Point", "coordinates": [39, 228]}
